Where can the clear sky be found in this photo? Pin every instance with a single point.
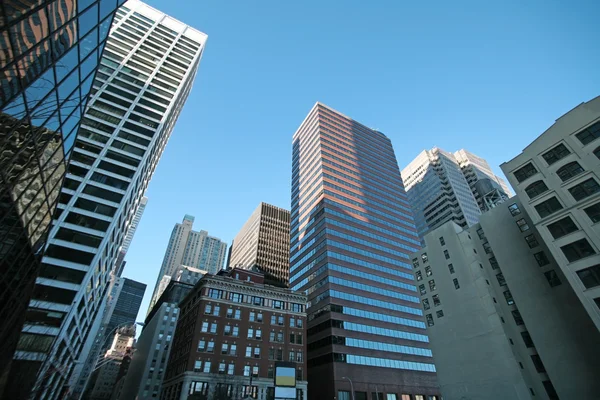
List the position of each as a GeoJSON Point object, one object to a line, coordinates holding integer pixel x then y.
{"type": "Point", "coordinates": [489, 76]}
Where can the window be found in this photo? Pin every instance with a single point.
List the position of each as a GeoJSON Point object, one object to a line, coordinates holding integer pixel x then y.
{"type": "Point", "coordinates": [246, 370]}
{"type": "Point", "coordinates": [343, 395]}
{"type": "Point", "coordinates": [257, 352]}
{"type": "Point", "coordinates": [577, 250]}
{"type": "Point", "coordinates": [509, 298]}
{"type": "Point", "coordinates": [456, 285]}
{"type": "Point", "coordinates": [216, 311]}
{"type": "Point", "coordinates": [548, 207]}
{"type": "Point", "coordinates": [248, 351]}
{"type": "Point", "coordinates": [252, 316]}
{"type": "Point", "coordinates": [229, 313]}
{"type": "Point", "coordinates": [584, 189]}
{"type": "Point", "coordinates": [525, 172]}
{"type": "Point", "coordinates": [436, 300]}
{"type": "Point", "coordinates": [250, 333]}
{"type": "Point", "coordinates": [227, 330]}
{"type": "Point", "coordinates": [487, 248]}
{"type": "Point", "coordinates": [221, 368]}
{"type": "Point", "coordinates": [238, 314]}
{"type": "Point", "coordinates": [424, 257]}
{"type": "Point", "coordinates": [415, 262]}
{"type": "Point", "coordinates": [428, 271]}
{"type": "Point", "coordinates": [213, 328]}
{"type": "Point", "coordinates": [593, 212]}
{"type": "Point", "coordinates": [259, 317]}
{"type": "Point", "coordinates": [211, 347]}
{"type": "Point", "coordinates": [292, 338]}
{"type": "Point", "coordinates": [556, 154]}
{"type": "Point", "coordinates": [494, 263]}
{"type": "Point", "coordinates": [224, 348]}
{"type": "Point", "coordinates": [233, 350]}
{"type": "Point", "coordinates": [501, 280]}
{"type": "Point", "coordinates": [273, 319]}
{"type": "Point", "coordinates": [255, 371]}
{"type": "Point", "coordinates": [422, 290]}
{"type": "Point", "coordinates": [597, 152]}
{"type": "Point", "coordinates": [589, 134]}
{"type": "Point", "coordinates": [517, 317]}
{"type": "Point", "coordinates": [590, 277]}
{"type": "Point", "coordinates": [197, 366]}
{"type": "Point", "coordinates": [280, 320]}
{"type": "Point", "coordinates": [537, 361]}
{"type": "Point", "coordinates": [419, 275]}
{"type": "Point", "coordinates": [429, 319]}
{"type": "Point", "coordinates": [522, 224]}
{"type": "Point", "coordinates": [531, 241]}
{"type": "Point", "coordinates": [514, 209]}
{"type": "Point", "coordinates": [446, 254]}
{"type": "Point", "coordinates": [552, 395]}
{"type": "Point", "coordinates": [236, 331]}
{"type": "Point", "coordinates": [552, 278]}
{"type": "Point", "coordinates": [201, 345]}
{"type": "Point", "coordinates": [299, 323]}
{"type": "Point", "coordinates": [432, 284]}
{"type": "Point", "coordinates": [442, 241]}
{"type": "Point", "coordinates": [562, 227]}
{"type": "Point", "coordinates": [426, 304]}
{"type": "Point", "coordinates": [206, 367]}
{"type": "Point", "coordinates": [451, 268]}
{"type": "Point", "coordinates": [207, 309]}
{"type": "Point", "coordinates": [439, 313]}
{"type": "Point", "coordinates": [535, 189]}
{"type": "Point", "coordinates": [541, 258]}
{"type": "Point", "coordinates": [569, 171]}
{"type": "Point", "coordinates": [480, 233]}
{"type": "Point", "coordinates": [527, 339]}
{"type": "Point", "coordinates": [204, 327]}
{"type": "Point", "coordinates": [292, 322]}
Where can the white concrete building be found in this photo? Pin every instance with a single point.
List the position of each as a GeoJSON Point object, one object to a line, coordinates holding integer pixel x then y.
{"type": "Point", "coordinates": [146, 73]}
{"type": "Point", "coordinates": [557, 178]}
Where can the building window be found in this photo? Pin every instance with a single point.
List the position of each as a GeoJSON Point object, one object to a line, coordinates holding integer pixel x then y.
{"type": "Point", "coordinates": [501, 280]}
{"type": "Point", "coordinates": [514, 210]}
{"type": "Point", "coordinates": [271, 372]}
{"type": "Point", "coordinates": [537, 361]}
{"type": "Point", "coordinates": [442, 241]}
{"type": "Point", "coordinates": [221, 368]}
{"type": "Point", "coordinates": [229, 313]}
{"type": "Point", "coordinates": [422, 290]}
{"type": "Point", "coordinates": [415, 262]}
{"type": "Point", "coordinates": [481, 234]}
{"type": "Point", "coordinates": [343, 395]}
{"type": "Point", "coordinates": [280, 320]}
{"type": "Point", "coordinates": [451, 268]}
{"type": "Point", "coordinates": [429, 319]}
{"type": "Point", "coordinates": [589, 134]}
{"type": "Point", "coordinates": [424, 257]}
{"type": "Point", "coordinates": [224, 348]}
{"type": "Point", "coordinates": [236, 331]}
{"type": "Point", "coordinates": [197, 366]}
{"type": "Point", "coordinates": [207, 309]}
{"type": "Point", "coordinates": [527, 339]}
{"type": "Point", "coordinates": [237, 314]}
{"type": "Point", "coordinates": [535, 189]}
{"type": "Point", "coordinates": [233, 350]}
{"type": "Point", "coordinates": [292, 322]}
{"type": "Point", "coordinates": [541, 258]}
{"type": "Point", "coordinates": [590, 277]}
{"type": "Point", "coordinates": [531, 241]}
{"type": "Point", "coordinates": [230, 369]}
{"type": "Point", "coordinates": [211, 347]}
{"type": "Point", "coordinates": [204, 327]}
{"type": "Point", "coordinates": [456, 285]}
{"type": "Point", "coordinates": [428, 271]}
{"type": "Point", "coordinates": [552, 395]}
{"type": "Point", "coordinates": [525, 172]}
{"type": "Point", "coordinates": [522, 224]}
{"type": "Point", "coordinates": [252, 316]}
{"type": "Point", "coordinates": [552, 278]}
{"type": "Point", "coordinates": [577, 250]}
{"type": "Point", "coordinates": [446, 254]}
{"type": "Point", "coordinates": [426, 304]}
{"type": "Point", "coordinates": [257, 352]}
{"type": "Point", "coordinates": [548, 207]}
{"type": "Point", "coordinates": [494, 263]}
{"type": "Point", "coordinates": [248, 351]}
{"type": "Point", "coordinates": [246, 370]}
{"type": "Point", "coordinates": [213, 328]}
{"type": "Point", "coordinates": [432, 284]}
{"type": "Point", "coordinates": [419, 275]}
{"type": "Point", "coordinates": [487, 248]}
{"type": "Point", "coordinates": [562, 227]}
{"type": "Point", "coordinates": [227, 331]}
{"type": "Point", "coordinates": [557, 153]}
{"type": "Point", "coordinates": [597, 152]}
{"type": "Point", "coordinates": [593, 212]}
{"type": "Point", "coordinates": [509, 298]}
{"type": "Point", "coordinates": [517, 317]}
{"type": "Point", "coordinates": [569, 171]}
{"type": "Point", "coordinates": [584, 189]}
{"type": "Point", "coordinates": [439, 313]}
{"type": "Point", "coordinates": [250, 333]}
{"type": "Point", "coordinates": [255, 371]}
{"type": "Point", "coordinates": [201, 345]}
{"type": "Point", "coordinates": [436, 300]}
{"type": "Point", "coordinates": [206, 367]}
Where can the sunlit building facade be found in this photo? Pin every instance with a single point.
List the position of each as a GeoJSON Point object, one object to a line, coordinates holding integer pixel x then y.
{"type": "Point", "coordinates": [352, 232]}
{"type": "Point", "coordinates": [146, 73]}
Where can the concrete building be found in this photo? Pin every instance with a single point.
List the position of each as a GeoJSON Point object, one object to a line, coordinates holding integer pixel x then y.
{"type": "Point", "coordinates": [120, 263]}
{"type": "Point", "coordinates": [352, 234]}
{"type": "Point", "coordinates": [243, 327]}
{"type": "Point", "coordinates": [45, 87]}
{"type": "Point", "coordinates": [264, 241]}
{"type": "Point", "coordinates": [498, 306]}
{"type": "Point", "coordinates": [145, 75]}
{"type": "Point", "coordinates": [557, 178]}
{"type": "Point", "coordinates": [146, 373]}
{"type": "Point", "coordinates": [188, 248]}
{"type": "Point", "coordinates": [444, 187]}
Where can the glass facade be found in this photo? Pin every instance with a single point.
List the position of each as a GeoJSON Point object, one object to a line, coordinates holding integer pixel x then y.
{"type": "Point", "coordinates": [144, 77]}
{"type": "Point", "coordinates": [49, 55]}
{"type": "Point", "coordinates": [352, 232]}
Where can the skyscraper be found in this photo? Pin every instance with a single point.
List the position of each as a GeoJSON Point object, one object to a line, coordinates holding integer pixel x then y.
{"type": "Point", "coordinates": [145, 76]}
{"type": "Point", "coordinates": [120, 263]}
{"type": "Point", "coordinates": [264, 240]}
{"type": "Point", "coordinates": [351, 235]}
{"type": "Point", "coordinates": [188, 248]}
{"type": "Point", "coordinates": [50, 54]}
{"type": "Point", "coordinates": [444, 187]}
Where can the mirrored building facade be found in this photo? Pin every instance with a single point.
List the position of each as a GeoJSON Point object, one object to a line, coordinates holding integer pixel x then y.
{"type": "Point", "coordinates": [49, 54]}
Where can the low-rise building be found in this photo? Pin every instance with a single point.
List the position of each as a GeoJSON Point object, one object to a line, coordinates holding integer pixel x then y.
{"type": "Point", "coordinates": [232, 330]}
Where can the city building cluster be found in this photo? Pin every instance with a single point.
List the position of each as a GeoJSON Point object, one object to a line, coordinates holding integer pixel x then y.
{"type": "Point", "coordinates": [435, 281]}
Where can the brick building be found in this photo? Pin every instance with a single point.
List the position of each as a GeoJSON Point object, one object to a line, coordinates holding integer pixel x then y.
{"type": "Point", "coordinates": [231, 331]}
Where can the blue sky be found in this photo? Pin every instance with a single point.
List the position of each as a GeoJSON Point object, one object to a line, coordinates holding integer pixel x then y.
{"type": "Point", "coordinates": [486, 76]}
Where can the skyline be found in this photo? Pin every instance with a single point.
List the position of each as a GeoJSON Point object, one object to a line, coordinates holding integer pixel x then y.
{"type": "Point", "coordinates": [492, 93]}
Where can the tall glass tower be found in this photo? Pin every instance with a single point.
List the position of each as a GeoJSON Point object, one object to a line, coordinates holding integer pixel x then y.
{"type": "Point", "coordinates": [147, 70]}
{"type": "Point", "coordinates": [352, 232]}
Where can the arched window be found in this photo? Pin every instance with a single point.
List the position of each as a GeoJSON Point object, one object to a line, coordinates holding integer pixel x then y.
{"type": "Point", "coordinates": [535, 189]}
{"type": "Point", "coordinates": [569, 170]}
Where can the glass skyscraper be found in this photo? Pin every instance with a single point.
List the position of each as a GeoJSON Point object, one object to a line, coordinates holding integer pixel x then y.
{"type": "Point", "coordinates": [146, 73]}
{"type": "Point", "coordinates": [49, 54]}
{"type": "Point", "coordinates": [352, 232]}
